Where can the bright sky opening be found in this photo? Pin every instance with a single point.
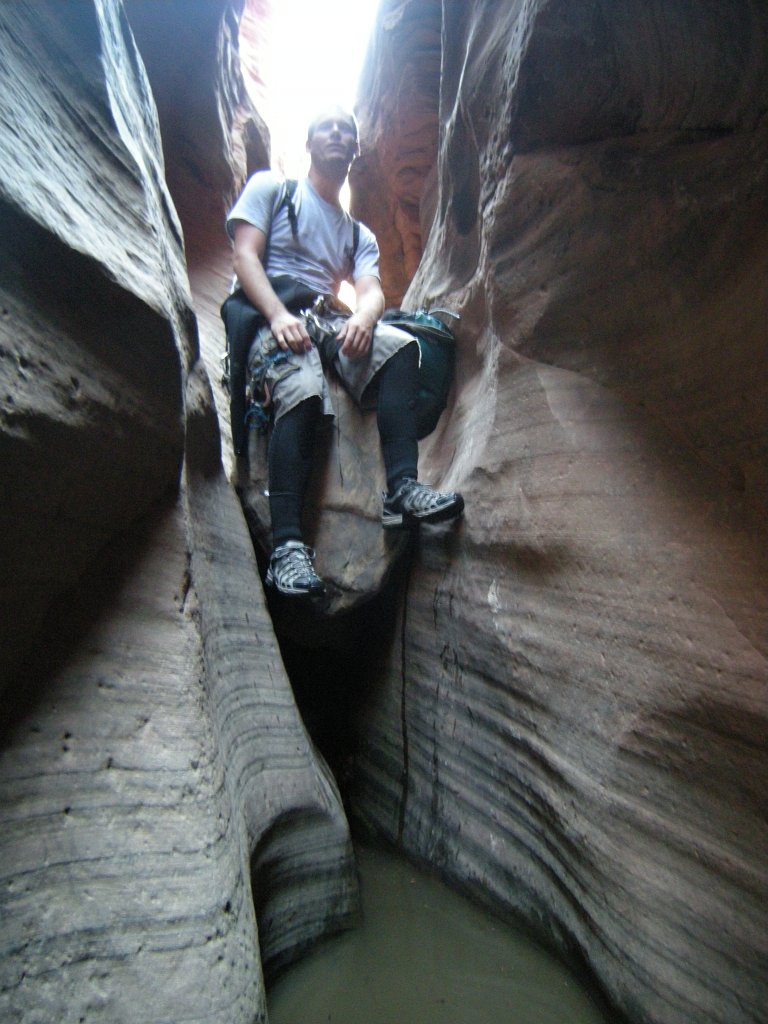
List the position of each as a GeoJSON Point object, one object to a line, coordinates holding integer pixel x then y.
{"type": "Point", "coordinates": [317, 54]}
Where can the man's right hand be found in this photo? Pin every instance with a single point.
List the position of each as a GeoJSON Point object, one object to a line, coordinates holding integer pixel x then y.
{"type": "Point", "coordinates": [290, 333]}
{"type": "Point", "coordinates": [250, 245]}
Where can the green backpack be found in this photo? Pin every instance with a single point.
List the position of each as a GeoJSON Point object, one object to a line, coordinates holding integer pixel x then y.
{"type": "Point", "coordinates": [436, 365]}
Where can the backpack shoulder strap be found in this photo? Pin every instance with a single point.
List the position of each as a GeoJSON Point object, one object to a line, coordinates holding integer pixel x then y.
{"type": "Point", "coordinates": [289, 191]}
{"type": "Point", "coordinates": [286, 200]}
{"type": "Point", "coordinates": [351, 252]}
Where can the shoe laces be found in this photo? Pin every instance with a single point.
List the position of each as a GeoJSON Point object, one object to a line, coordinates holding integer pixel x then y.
{"type": "Point", "coordinates": [294, 563]}
{"type": "Point", "coordinates": [419, 497]}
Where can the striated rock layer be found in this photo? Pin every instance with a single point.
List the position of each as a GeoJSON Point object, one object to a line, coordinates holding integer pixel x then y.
{"type": "Point", "coordinates": [573, 725]}
{"type": "Point", "coordinates": [167, 827]}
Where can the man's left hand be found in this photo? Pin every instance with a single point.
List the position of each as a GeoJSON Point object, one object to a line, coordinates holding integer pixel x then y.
{"type": "Point", "coordinates": [355, 336]}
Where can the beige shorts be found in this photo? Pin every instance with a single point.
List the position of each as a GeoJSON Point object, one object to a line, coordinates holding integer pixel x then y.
{"type": "Point", "coordinates": [284, 379]}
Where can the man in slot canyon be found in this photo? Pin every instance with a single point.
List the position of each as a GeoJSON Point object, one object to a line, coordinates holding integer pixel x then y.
{"type": "Point", "coordinates": [293, 246]}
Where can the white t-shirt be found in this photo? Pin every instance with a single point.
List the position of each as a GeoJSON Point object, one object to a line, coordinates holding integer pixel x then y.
{"type": "Point", "coordinates": [321, 256]}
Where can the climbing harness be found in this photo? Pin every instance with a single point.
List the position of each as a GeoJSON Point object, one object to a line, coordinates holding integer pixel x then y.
{"type": "Point", "coordinates": [242, 322]}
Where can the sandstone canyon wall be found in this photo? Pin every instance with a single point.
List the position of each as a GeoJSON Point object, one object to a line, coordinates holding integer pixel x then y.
{"type": "Point", "coordinates": [569, 720]}
{"type": "Point", "coordinates": [162, 811]}
{"type": "Point", "coordinates": [573, 723]}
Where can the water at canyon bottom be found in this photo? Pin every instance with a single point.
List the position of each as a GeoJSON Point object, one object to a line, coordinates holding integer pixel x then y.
{"type": "Point", "coordinates": [426, 955]}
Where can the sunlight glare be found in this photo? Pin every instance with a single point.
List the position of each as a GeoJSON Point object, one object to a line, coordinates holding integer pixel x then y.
{"type": "Point", "coordinates": [317, 53]}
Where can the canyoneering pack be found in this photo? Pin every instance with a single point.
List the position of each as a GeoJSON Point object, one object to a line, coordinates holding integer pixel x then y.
{"type": "Point", "coordinates": [437, 360]}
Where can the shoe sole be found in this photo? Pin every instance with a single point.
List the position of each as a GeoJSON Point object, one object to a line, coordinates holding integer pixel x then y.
{"type": "Point", "coordinates": [409, 520]}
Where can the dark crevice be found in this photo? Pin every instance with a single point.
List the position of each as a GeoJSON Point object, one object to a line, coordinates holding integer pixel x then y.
{"type": "Point", "coordinates": [403, 706]}
{"type": "Point", "coordinates": [334, 665]}
{"type": "Point", "coordinates": [337, 666]}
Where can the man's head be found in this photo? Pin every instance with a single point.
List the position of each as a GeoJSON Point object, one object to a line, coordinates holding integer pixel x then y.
{"type": "Point", "coordinates": [332, 141]}
{"type": "Point", "coordinates": [332, 113]}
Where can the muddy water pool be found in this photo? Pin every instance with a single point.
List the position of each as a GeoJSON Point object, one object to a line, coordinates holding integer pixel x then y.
{"type": "Point", "coordinates": [424, 954]}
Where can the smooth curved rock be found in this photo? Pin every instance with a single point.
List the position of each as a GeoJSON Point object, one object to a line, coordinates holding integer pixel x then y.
{"type": "Point", "coordinates": [122, 871]}
{"type": "Point", "coordinates": [81, 292]}
{"type": "Point", "coordinates": [168, 829]}
{"type": "Point", "coordinates": [579, 706]}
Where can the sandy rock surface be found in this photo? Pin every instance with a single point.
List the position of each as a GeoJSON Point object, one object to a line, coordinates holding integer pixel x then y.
{"type": "Point", "coordinates": [574, 724]}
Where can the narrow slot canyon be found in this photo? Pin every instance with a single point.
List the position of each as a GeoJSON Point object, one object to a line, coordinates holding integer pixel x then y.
{"type": "Point", "coordinates": [557, 705]}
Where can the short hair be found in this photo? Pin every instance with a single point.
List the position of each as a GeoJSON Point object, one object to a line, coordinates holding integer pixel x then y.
{"type": "Point", "coordinates": [323, 116]}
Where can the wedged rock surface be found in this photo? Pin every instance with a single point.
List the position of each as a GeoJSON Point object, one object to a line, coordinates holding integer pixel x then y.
{"type": "Point", "coordinates": [168, 830]}
{"type": "Point", "coordinates": [574, 726]}
{"type": "Point", "coordinates": [355, 556]}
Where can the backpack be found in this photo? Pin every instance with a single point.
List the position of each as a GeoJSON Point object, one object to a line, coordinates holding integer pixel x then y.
{"type": "Point", "coordinates": [436, 363]}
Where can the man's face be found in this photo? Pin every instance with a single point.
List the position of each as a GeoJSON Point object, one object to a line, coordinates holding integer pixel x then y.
{"type": "Point", "coordinates": [334, 139]}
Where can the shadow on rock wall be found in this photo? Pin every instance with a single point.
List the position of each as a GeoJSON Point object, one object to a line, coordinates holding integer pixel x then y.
{"type": "Point", "coordinates": [558, 701]}
{"type": "Point", "coordinates": [153, 766]}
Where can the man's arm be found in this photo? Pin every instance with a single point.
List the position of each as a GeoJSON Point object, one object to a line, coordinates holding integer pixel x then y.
{"type": "Point", "coordinates": [250, 245]}
{"type": "Point", "coordinates": [357, 332]}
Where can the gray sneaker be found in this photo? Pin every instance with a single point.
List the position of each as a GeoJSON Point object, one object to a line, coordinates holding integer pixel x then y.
{"type": "Point", "coordinates": [291, 571]}
{"type": "Point", "coordinates": [414, 503]}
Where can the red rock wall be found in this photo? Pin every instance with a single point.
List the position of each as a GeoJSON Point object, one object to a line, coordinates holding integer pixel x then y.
{"type": "Point", "coordinates": [212, 138]}
{"type": "Point", "coordinates": [579, 708]}
{"type": "Point", "coordinates": [254, 42]}
{"type": "Point", "coordinates": [399, 135]}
